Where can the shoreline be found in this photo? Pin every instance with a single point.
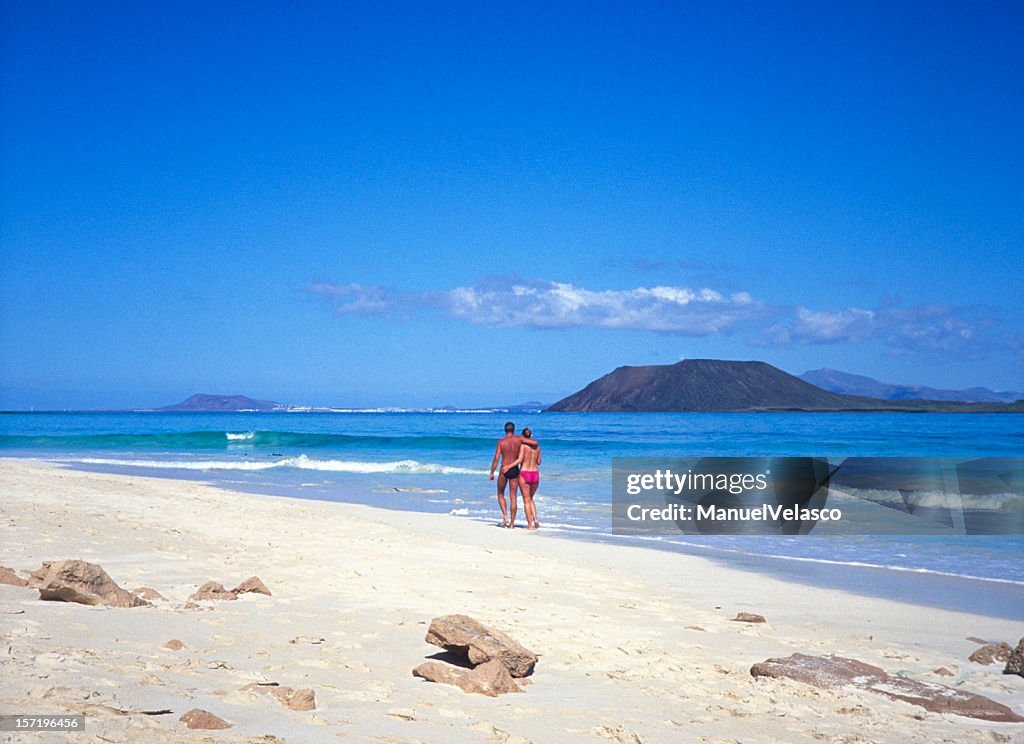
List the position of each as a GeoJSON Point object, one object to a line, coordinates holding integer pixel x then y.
{"type": "Point", "coordinates": [999, 598]}
{"type": "Point", "coordinates": [631, 640]}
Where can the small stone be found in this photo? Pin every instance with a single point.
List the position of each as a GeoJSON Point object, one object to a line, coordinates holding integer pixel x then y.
{"type": "Point", "coordinates": [174, 645]}
{"type": "Point", "coordinates": [148, 593]}
{"type": "Point", "coordinates": [204, 719]}
{"type": "Point", "coordinates": [990, 653]}
{"type": "Point", "coordinates": [253, 585]}
{"type": "Point", "coordinates": [749, 617]}
{"type": "Point", "coordinates": [8, 577]}
{"type": "Point", "coordinates": [943, 672]}
{"type": "Point", "coordinates": [618, 734]}
{"type": "Point", "coordinates": [302, 700]}
{"type": "Point", "coordinates": [213, 590]}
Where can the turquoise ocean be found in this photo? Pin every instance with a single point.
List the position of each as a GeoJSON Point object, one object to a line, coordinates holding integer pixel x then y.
{"type": "Point", "coordinates": [438, 462]}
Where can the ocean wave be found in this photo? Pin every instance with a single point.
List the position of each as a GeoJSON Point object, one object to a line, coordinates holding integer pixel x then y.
{"type": "Point", "coordinates": [835, 562]}
{"type": "Point", "coordinates": [903, 569]}
{"type": "Point", "coordinates": [1004, 501]}
{"type": "Point", "coordinates": [301, 462]}
{"type": "Point", "coordinates": [271, 440]}
{"type": "Point", "coordinates": [409, 489]}
{"type": "Point", "coordinates": [226, 440]}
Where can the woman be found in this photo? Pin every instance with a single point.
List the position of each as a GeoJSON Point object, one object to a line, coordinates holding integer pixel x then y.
{"type": "Point", "coordinates": [529, 478]}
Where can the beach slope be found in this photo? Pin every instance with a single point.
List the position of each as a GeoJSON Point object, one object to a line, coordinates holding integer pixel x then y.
{"type": "Point", "coordinates": [635, 645]}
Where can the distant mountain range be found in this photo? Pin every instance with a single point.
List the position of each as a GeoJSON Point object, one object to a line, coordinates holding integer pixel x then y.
{"type": "Point", "coordinates": [843, 382]}
{"type": "Point", "coordinates": [204, 403]}
{"type": "Point", "coordinates": [713, 386]}
{"type": "Point", "coordinates": [223, 403]}
{"type": "Point", "coordinates": [703, 385]}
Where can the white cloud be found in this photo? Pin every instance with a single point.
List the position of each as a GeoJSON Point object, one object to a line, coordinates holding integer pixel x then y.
{"type": "Point", "coordinates": [824, 327]}
{"type": "Point", "coordinates": [354, 299]}
{"type": "Point", "coordinates": [921, 328]}
{"type": "Point", "coordinates": [539, 304]}
{"type": "Point", "coordinates": [513, 301]}
{"type": "Point", "coordinates": [936, 328]}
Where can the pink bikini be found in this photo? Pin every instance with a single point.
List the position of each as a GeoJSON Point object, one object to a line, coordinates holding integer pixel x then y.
{"type": "Point", "coordinates": [529, 476]}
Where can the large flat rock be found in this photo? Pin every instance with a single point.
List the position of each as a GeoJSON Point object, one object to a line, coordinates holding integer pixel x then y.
{"type": "Point", "coordinates": [82, 582]}
{"type": "Point", "coordinates": [491, 678]}
{"type": "Point", "coordinates": [830, 672]}
{"type": "Point", "coordinates": [462, 635]}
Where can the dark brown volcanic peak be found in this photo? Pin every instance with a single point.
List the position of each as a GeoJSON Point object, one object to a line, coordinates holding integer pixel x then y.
{"type": "Point", "coordinates": [700, 385]}
{"type": "Point", "coordinates": [712, 385]}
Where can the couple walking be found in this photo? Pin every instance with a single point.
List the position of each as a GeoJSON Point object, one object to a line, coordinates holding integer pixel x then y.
{"type": "Point", "coordinates": [520, 468]}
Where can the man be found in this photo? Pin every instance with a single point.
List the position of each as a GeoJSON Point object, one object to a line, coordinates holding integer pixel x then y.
{"type": "Point", "coordinates": [507, 451]}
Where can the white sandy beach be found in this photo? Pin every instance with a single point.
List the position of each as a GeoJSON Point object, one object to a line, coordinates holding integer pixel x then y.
{"type": "Point", "coordinates": [636, 645]}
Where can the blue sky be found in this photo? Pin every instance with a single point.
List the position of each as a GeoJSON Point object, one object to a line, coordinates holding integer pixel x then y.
{"type": "Point", "coordinates": [429, 204]}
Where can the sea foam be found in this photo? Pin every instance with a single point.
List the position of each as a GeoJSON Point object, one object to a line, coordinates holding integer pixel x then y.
{"type": "Point", "coordinates": [300, 462]}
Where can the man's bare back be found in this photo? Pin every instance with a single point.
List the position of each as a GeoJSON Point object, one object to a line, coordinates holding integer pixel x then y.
{"type": "Point", "coordinates": [509, 448]}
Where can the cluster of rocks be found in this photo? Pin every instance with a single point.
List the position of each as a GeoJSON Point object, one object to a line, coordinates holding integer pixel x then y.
{"type": "Point", "coordinates": [87, 583]}
{"type": "Point", "coordinates": [213, 590]}
{"type": "Point", "coordinates": [1000, 651]}
{"type": "Point", "coordinates": [488, 660]}
{"type": "Point", "coordinates": [836, 671]}
{"type": "Point", "coordinates": [829, 672]}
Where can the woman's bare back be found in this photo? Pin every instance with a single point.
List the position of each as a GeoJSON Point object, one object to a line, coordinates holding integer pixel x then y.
{"type": "Point", "coordinates": [530, 457]}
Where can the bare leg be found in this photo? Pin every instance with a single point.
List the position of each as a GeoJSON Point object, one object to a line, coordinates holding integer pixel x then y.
{"type": "Point", "coordinates": [536, 485]}
{"type": "Point", "coordinates": [528, 504]}
{"type": "Point", "coordinates": [531, 505]}
{"type": "Point", "coordinates": [513, 483]}
{"type": "Point", "coordinates": [502, 480]}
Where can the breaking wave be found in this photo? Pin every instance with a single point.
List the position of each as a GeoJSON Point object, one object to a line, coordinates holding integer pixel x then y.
{"type": "Point", "coordinates": [301, 462]}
